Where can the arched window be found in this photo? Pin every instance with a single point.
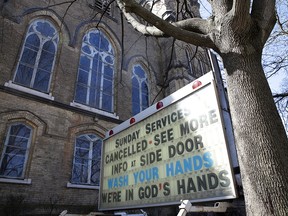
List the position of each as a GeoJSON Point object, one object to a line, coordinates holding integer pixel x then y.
{"type": "Point", "coordinates": [87, 159]}
{"type": "Point", "coordinates": [189, 58]}
{"type": "Point", "coordinates": [195, 63]}
{"type": "Point", "coordinates": [140, 94]}
{"type": "Point", "coordinates": [37, 58]}
{"type": "Point", "coordinates": [15, 152]}
{"type": "Point", "coordinates": [95, 80]}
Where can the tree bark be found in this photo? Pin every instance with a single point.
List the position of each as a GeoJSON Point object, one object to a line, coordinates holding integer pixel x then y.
{"type": "Point", "coordinates": [259, 134]}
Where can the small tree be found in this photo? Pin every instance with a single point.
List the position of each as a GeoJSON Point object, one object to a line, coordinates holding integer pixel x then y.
{"type": "Point", "coordinates": [238, 31]}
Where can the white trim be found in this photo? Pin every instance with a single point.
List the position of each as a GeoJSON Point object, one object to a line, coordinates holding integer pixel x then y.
{"type": "Point", "coordinates": [70, 185]}
{"type": "Point", "coordinates": [140, 82]}
{"type": "Point", "coordinates": [101, 112]}
{"type": "Point", "coordinates": [12, 85]}
{"type": "Point", "coordinates": [32, 30]}
{"type": "Point", "coordinates": [16, 181]}
{"type": "Point", "coordinates": [27, 149]}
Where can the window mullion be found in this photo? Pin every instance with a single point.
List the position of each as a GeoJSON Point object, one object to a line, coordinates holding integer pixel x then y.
{"type": "Point", "coordinates": [5, 146]}
{"type": "Point", "coordinates": [101, 83]}
{"type": "Point", "coordinates": [90, 162]}
{"type": "Point", "coordinates": [26, 155]}
{"type": "Point", "coordinates": [89, 81]}
{"type": "Point", "coordinates": [140, 95]}
{"type": "Point", "coordinates": [37, 62]}
{"type": "Point", "coordinates": [113, 86]}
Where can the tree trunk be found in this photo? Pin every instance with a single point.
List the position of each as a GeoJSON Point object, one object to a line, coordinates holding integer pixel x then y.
{"type": "Point", "coordinates": [260, 138]}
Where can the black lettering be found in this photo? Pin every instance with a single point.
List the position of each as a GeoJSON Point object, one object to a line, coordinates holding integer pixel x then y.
{"type": "Point", "coordinates": [170, 134]}
{"type": "Point", "coordinates": [117, 143]}
{"type": "Point", "coordinates": [154, 191]}
{"type": "Point", "coordinates": [171, 151]}
{"type": "Point", "coordinates": [120, 167]}
{"type": "Point", "coordinates": [166, 188]}
{"type": "Point", "coordinates": [148, 129]}
{"type": "Point", "coordinates": [180, 148]}
{"type": "Point", "coordinates": [225, 180]}
{"type": "Point", "coordinates": [201, 183]}
{"type": "Point", "coordinates": [174, 117]}
{"type": "Point", "coordinates": [144, 145]}
{"type": "Point", "coordinates": [203, 121]}
{"type": "Point", "coordinates": [164, 121]}
{"type": "Point", "coordinates": [198, 141]}
{"type": "Point", "coordinates": [212, 116]}
{"type": "Point", "coordinates": [151, 157]}
{"type": "Point", "coordinates": [212, 180]}
{"type": "Point", "coordinates": [117, 196]}
{"type": "Point", "coordinates": [133, 163]}
{"type": "Point", "coordinates": [189, 145]}
{"type": "Point", "coordinates": [129, 195]}
{"type": "Point", "coordinates": [153, 126]}
{"type": "Point", "coordinates": [193, 124]}
{"type": "Point", "coordinates": [141, 193]}
{"type": "Point", "coordinates": [181, 186]}
{"type": "Point", "coordinates": [163, 137]}
{"type": "Point", "coordinates": [148, 192]}
{"type": "Point", "coordinates": [184, 128]}
{"type": "Point", "coordinates": [158, 123]}
{"type": "Point", "coordinates": [166, 135]}
{"type": "Point", "coordinates": [191, 185]}
{"type": "Point", "coordinates": [104, 197]}
{"type": "Point", "coordinates": [107, 159]}
{"type": "Point", "coordinates": [156, 139]}
{"type": "Point", "coordinates": [180, 114]}
{"type": "Point", "coordinates": [142, 160]}
{"type": "Point", "coordinates": [111, 197]}
{"type": "Point", "coordinates": [120, 155]}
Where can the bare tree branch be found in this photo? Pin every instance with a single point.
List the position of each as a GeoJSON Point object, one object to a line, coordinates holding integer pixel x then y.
{"type": "Point", "coordinates": [220, 8]}
{"type": "Point", "coordinates": [197, 25]}
{"type": "Point", "coordinates": [263, 13]}
{"type": "Point", "coordinates": [241, 8]}
{"type": "Point", "coordinates": [281, 95]}
{"type": "Point", "coordinates": [162, 27]}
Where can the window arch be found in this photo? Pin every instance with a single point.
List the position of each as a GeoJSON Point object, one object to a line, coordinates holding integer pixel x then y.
{"type": "Point", "coordinates": [95, 81]}
{"type": "Point", "coordinates": [16, 151]}
{"type": "Point", "coordinates": [37, 58]}
{"type": "Point", "coordinates": [87, 159]}
{"type": "Point", "coordinates": [140, 93]}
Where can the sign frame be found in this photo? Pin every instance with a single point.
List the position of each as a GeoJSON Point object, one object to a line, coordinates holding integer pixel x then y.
{"type": "Point", "coordinates": [182, 94]}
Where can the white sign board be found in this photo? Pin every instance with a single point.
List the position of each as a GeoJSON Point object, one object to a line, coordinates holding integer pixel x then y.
{"type": "Point", "coordinates": [174, 153]}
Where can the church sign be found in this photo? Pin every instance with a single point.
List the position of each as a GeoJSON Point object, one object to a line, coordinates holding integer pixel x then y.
{"type": "Point", "coordinates": [172, 151]}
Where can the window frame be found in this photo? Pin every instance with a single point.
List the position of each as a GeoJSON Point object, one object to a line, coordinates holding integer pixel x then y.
{"type": "Point", "coordinates": [140, 87]}
{"type": "Point", "coordinates": [27, 153]}
{"type": "Point", "coordinates": [194, 62]}
{"type": "Point", "coordinates": [87, 184]}
{"type": "Point", "coordinates": [98, 103]}
{"type": "Point", "coordinates": [35, 67]}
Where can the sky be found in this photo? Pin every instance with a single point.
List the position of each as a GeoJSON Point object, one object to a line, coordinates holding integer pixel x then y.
{"type": "Point", "coordinates": [275, 81]}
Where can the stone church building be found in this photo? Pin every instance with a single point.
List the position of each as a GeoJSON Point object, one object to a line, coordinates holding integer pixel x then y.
{"type": "Point", "coordinates": [69, 72]}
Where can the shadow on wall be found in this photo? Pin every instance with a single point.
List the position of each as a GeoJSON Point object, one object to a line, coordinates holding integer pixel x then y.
{"type": "Point", "coordinates": [13, 206]}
